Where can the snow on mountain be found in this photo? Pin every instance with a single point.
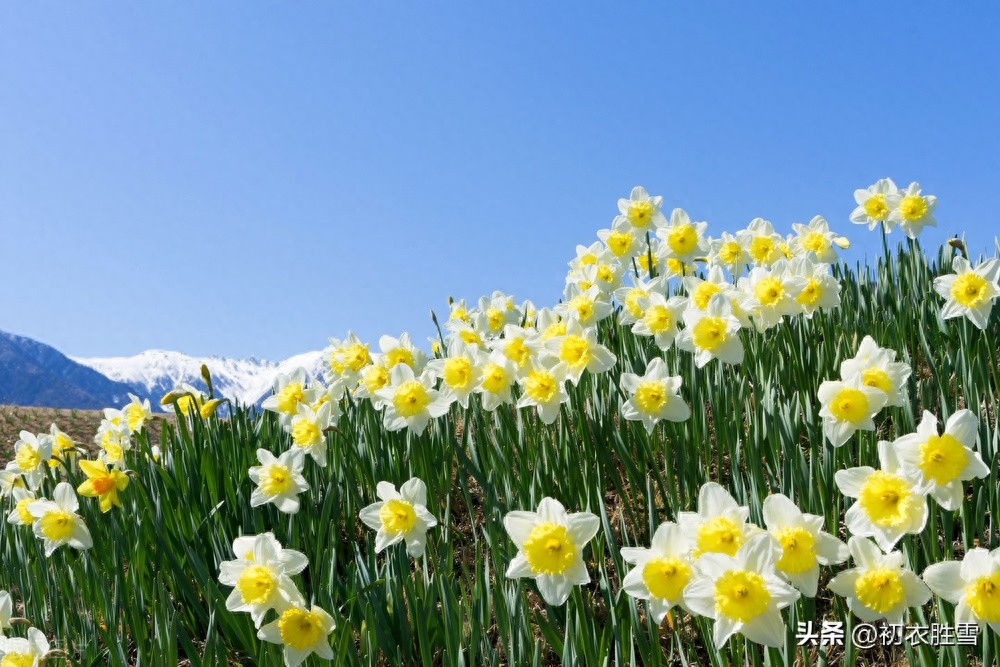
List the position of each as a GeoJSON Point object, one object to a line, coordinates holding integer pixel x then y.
{"type": "Point", "coordinates": [155, 372]}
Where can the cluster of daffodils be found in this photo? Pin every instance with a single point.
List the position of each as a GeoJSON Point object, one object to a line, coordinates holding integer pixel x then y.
{"type": "Point", "coordinates": [40, 462]}
{"type": "Point", "coordinates": [261, 579]}
{"type": "Point", "coordinates": [712, 562]}
{"type": "Point", "coordinates": [883, 203]}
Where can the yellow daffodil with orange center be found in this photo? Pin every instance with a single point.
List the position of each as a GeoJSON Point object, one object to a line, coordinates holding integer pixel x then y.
{"type": "Point", "coordinates": [102, 483]}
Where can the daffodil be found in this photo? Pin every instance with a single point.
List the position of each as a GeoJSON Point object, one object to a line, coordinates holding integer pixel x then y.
{"type": "Point", "coordinates": [498, 376]}
{"type": "Point", "coordinates": [459, 372]}
{"type": "Point", "coordinates": [261, 575]}
{"type": "Point", "coordinates": [730, 252]}
{"type": "Point", "coordinates": [20, 516]}
{"type": "Point", "coordinates": [890, 500]}
{"type": "Point", "coordinates": [114, 441]}
{"type": "Point", "coordinates": [579, 349]}
{"type": "Point", "coordinates": [720, 524]}
{"type": "Point", "coordinates": [32, 453]}
{"type": "Point", "coordinates": [57, 522]}
{"type": "Point", "coordinates": [589, 306]}
{"type": "Point", "coordinates": [622, 240]}
{"type": "Point", "coordinates": [374, 377]}
{"type": "Point", "coordinates": [875, 203]}
{"type": "Point", "coordinates": [519, 345]}
{"type": "Point", "coordinates": [660, 318]}
{"type": "Point", "coordinates": [653, 396]}
{"type": "Point", "coordinates": [6, 611]}
{"type": "Point", "coordinates": [343, 360]}
{"type": "Point", "coordinates": [185, 397]}
{"type": "Point", "coordinates": [401, 350]}
{"type": "Point", "coordinates": [661, 572]}
{"type": "Point", "coordinates": [773, 292]}
{"type": "Point", "coordinates": [11, 479]}
{"type": "Point", "coordinates": [820, 291]}
{"type": "Point", "coordinates": [878, 368]}
{"type": "Point", "coordinates": [136, 413]}
{"type": "Point", "coordinates": [24, 651]}
{"type": "Point", "coordinates": [544, 387]}
{"type": "Point", "coordinates": [742, 593]}
{"type": "Point", "coordinates": [817, 238]}
{"type": "Point", "coordinates": [400, 516]}
{"type": "Point", "coordinates": [102, 483]}
{"type": "Point", "coordinates": [550, 546]}
{"type": "Point", "coordinates": [912, 210]}
{"type": "Point", "coordinates": [969, 291]}
{"type": "Point", "coordinates": [880, 586]}
{"type": "Point", "coordinates": [943, 462]}
{"type": "Point", "coordinates": [411, 400]}
{"type": "Point", "coordinates": [804, 546]}
{"type": "Point", "coordinates": [762, 243]}
{"type": "Point", "coordinates": [289, 391]}
{"type": "Point", "coordinates": [63, 447]}
{"type": "Point", "coordinates": [301, 632]}
{"type": "Point", "coordinates": [308, 428]}
{"type": "Point", "coordinates": [279, 479]}
{"type": "Point", "coordinates": [972, 585]}
{"type": "Point", "coordinates": [847, 407]}
{"type": "Point", "coordinates": [684, 240]}
{"type": "Point", "coordinates": [713, 333]}
{"type": "Point", "coordinates": [629, 297]}
{"type": "Point", "coordinates": [641, 210]}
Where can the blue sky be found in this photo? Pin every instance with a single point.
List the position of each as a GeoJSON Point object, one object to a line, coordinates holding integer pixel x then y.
{"type": "Point", "coordinates": [242, 178]}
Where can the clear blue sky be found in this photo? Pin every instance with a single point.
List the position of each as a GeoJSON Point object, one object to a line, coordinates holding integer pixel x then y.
{"type": "Point", "coordinates": [249, 178]}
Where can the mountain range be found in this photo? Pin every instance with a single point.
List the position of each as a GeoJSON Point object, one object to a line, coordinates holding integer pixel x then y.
{"type": "Point", "coordinates": [35, 374]}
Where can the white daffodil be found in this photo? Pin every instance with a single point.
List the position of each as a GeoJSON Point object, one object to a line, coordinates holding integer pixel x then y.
{"type": "Point", "coordinates": [847, 407]}
{"type": "Point", "coordinates": [729, 252]}
{"type": "Point", "coordinates": [411, 401]}
{"type": "Point", "coordinates": [661, 572]}
{"type": "Point", "coordinates": [459, 372]}
{"type": "Point", "coordinates": [10, 479]}
{"type": "Point", "coordinates": [57, 522]}
{"type": "Point", "coordinates": [499, 310]}
{"type": "Point", "coordinates": [24, 651]}
{"type": "Point", "coordinates": [260, 576]}
{"type": "Point", "coordinates": [943, 462]}
{"type": "Point", "coordinates": [622, 240]}
{"type": "Point", "coordinates": [803, 543]}
{"type": "Point", "coordinates": [817, 238]}
{"type": "Point", "coordinates": [401, 350]}
{"type": "Point", "coordinates": [890, 501]}
{"type": "Point", "coordinates": [821, 290]}
{"type": "Point", "coordinates": [642, 211]}
{"type": "Point", "coordinates": [660, 318]}
{"type": "Point", "coordinates": [374, 377]}
{"type": "Point", "coordinates": [742, 593]}
{"type": "Point", "coordinates": [684, 240]}
{"type": "Point", "coordinates": [972, 585]}
{"type": "Point", "coordinates": [774, 292]}
{"type": "Point", "coordinates": [279, 480]}
{"type": "Point", "coordinates": [343, 360]}
{"type": "Point", "coordinates": [653, 396]}
{"type": "Point", "coordinates": [550, 546]}
{"type": "Point", "coordinates": [498, 376]}
{"type": "Point", "coordinates": [301, 632]}
{"type": "Point", "coordinates": [308, 428]}
{"type": "Point", "coordinates": [763, 244]}
{"type": "Point", "coordinates": [19, 515]}
{"type": "Point", "coordinates": [712, 334]}
{"type": "Point", "coordinates": [289, 391]}
{"type": "Point", "coordinates": [874, 204]}
{"type": "Point", "coordinates": [579, 348]}
{"type": "Point", "coordinates": [720, 524]}
{"type": "Point", "coordinates": [114, 441]}
{"type": "Point", "coordinates": [880, 586]}
{"type": "Point", "coordinates": [588, 306]}
{"type": "Point", "coordinates": [878, 368]}
{"type": "Point", "coordinates": [629, 297]}
{"type": "Point", "coordinates": [518, 345]}
{"type": "Point", "coordinates": [912, 210]}
{"type": "Point", "coordinates": [969, 292]}
{"type": "Point", "coordinates": [32, 453]}
{"type": "Point", "coordinates": [544, 387]}
{"type": "Point", "coordinates": [400, 516]}
{"type": "Point", "coordinates": [63, 447]}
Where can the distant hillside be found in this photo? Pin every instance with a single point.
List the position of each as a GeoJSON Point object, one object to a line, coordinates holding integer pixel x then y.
{"type": "Point", "coordinates": [32, 373]}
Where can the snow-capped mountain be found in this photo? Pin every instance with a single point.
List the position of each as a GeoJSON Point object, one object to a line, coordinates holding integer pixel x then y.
{"type": "Point", "coordinates": [153, 373]}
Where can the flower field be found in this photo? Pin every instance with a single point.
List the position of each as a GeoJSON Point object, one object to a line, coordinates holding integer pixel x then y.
{"type": "Point", "coordinates": [711, 445]}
